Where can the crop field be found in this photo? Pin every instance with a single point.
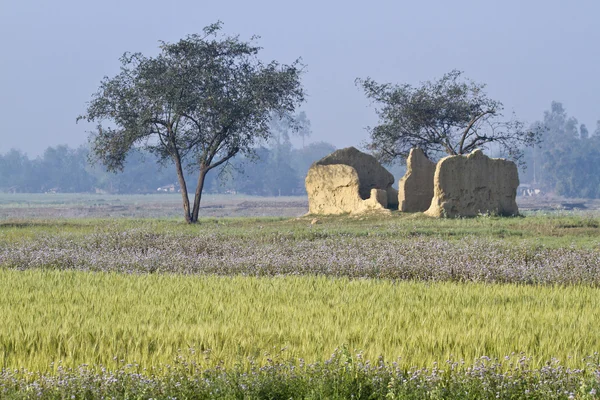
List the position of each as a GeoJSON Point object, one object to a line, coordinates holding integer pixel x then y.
{"type": "Point", "coordinates": [399, 306]}
{"type": "Point", "coordinates": [102, 318]}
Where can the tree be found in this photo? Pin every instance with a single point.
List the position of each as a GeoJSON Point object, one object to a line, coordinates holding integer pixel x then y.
{"type": "Point", "coordinates": [303, 126]}
{"type": "Point", "coordinates": [64, 169]}
{"type": "Point", "coordinates": [197, 104]}
{"type": "Point", "coordinates": [18, 173]}
{"type": "Point", "coordinates": [583, 132]}
{"type": "Point", "coordinates": [303, 158]}
{"type": "Point", "coordinates": [280, 169]}
{"type": "Point", "coordinates": [597, 131]}
{"type": "Point", "coordinates": [281, 175]}
{"type": "Point", "coordinates": [565, 163]}
{"type": "Point", "coordinates": [284, 125]}
{"type": "Point", "coordinates": [568, 155]}
{"type": "Point", "coordinates": [452, 115]}
{"type": "Point", "coordinates": [137, 175]}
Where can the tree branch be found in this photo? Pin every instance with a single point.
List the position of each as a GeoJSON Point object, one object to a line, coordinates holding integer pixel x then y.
{"type": "Point", "coordinates": [231, 154]}
{"type": "Point", "coordinates": [469, 126]}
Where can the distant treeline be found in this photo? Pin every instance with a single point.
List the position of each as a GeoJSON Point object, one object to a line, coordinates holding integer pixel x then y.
{"type": "Point", "coordinates": [567, 162]}
{"type": "Point", "coordinates": [279, 169]}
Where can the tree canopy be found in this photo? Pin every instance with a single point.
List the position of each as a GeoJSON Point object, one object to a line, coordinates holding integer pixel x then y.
{"type": "Point", "coordinates": [452, 115]}
{"type": "Point", "coordinates": [566, 162]}
{"type": "Point", "coordinates": [197, 104]}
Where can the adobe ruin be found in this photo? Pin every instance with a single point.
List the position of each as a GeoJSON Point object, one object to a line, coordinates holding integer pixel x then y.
{"type": "Point", "coordinates": [349, 181]}
{"type": "Point", "coordinates": [467, 186]}
{"type": "Point", "coordinates": [415, 189]}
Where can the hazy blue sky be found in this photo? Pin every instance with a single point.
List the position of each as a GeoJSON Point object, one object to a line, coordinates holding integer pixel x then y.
{"type": "Point", "coordinates": [54, 54]}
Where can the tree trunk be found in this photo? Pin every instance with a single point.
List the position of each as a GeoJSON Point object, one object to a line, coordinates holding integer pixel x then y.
{"type": "Point", "coordinates": [184, 191]}
{"type": "Point", "coordinates": [198, 196]}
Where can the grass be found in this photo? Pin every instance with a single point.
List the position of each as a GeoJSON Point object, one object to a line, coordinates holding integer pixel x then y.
{"type": "Point", "coordinates": [554, 230]}
{"type": "Point", "coordinates": [100, 318]}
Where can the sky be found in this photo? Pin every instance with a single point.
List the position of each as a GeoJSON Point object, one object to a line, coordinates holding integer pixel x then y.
{"type": "Point", "coordinates": [528, 53]}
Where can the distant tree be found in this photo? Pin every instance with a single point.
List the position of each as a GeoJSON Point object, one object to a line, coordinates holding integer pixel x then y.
{"type": "Point", "coordinates": [583, 132]}
{"type": "Point", "coordinates": [64, 169]}
{"type": "Point", "coordinates": [18, 173]}
{"type": "Point", "coordinates": [137, 176]}
{"type": "Point", "coordinates": [283, 126]}
{"type": "Point", "coordinates": [279, 169]}
{"type": "Point", "coordinates": [249, 174]}
{"type": "Point", "coordinates": [571, 128]}
{"type": "Point", "coordinates": [281, 175]}
{"type": "Point", "coordinates": [197, 104]}
{"type": "Point", "coordinates": [567, 157]}
{"type": "Point", "coordinates": [303, 127]}
{"type": "Point", "coordinates": [303, 158]}
{"type": "Point", "coordinates": [279, 172]}
{"type": "Point", "coordinates": [452, 115]}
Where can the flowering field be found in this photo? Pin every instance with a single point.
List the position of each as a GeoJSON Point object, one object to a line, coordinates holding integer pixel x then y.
{"type": "Point", "coordinates": [342, 376]}
{"type": "Point", "coordinates": [532, 250]}
{"type": "Point", "coordinates": [129, 297]}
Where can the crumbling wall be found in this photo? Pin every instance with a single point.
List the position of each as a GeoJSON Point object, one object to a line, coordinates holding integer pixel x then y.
{"type": "Point", "coordinates": [349, 181]}
{"type": "Point", "coordinates": [415, 189]}
{"type": "Point", "coordinates": [465, 186]}
{"type": "Point", "coordinates": [334, 189]}
{"type": "Point", "coordinates": [371, 174]}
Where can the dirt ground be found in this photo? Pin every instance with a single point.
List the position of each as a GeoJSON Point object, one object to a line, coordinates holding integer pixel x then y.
{"type": "Point", "coordinates": [556, 203]}
{"type": "Point", "coordinates": [50, 206]}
